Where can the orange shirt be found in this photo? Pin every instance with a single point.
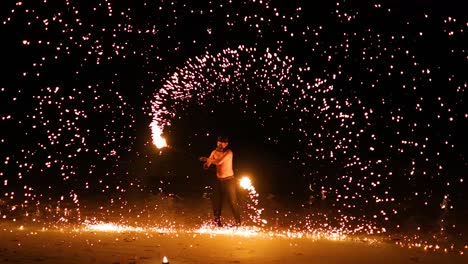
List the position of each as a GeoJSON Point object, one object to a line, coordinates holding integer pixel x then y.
{"type": "Point", "coordinates": [223, 162]}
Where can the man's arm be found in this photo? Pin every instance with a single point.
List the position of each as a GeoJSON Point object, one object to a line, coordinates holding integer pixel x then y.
{"type": "Point", "coordinates": [224, 158]}
{"type": "Point", "coordinates": [208, 161]}
{"type": "Point", "coordinates": [205, 159]}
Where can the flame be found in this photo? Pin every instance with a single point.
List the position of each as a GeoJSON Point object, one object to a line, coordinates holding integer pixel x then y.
{"type": "Point", "coordinates": [246, 183]}
{"type": "Point", "coordinates": [156, 133]}
{"type": "Point", "coordinates": [165, 260]}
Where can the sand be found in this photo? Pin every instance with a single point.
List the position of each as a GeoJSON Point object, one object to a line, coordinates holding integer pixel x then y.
{"type": "Point", "coordinates": [55, 245]}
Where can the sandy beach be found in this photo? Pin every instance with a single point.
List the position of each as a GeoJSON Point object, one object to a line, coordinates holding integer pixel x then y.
{"type": "Point", "coordinates": [23, 244]}
{"type": "Point", "coordinates": [146, 229]}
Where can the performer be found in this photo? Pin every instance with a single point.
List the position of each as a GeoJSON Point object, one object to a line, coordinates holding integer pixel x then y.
{"type": "Point", "coordinates": [225, 185]}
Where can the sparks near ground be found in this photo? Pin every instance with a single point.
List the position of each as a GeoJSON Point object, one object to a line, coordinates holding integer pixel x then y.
{"type": "Point", "coordinates": [183, 248]}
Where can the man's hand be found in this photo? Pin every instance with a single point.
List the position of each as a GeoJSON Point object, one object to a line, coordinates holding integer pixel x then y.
{"type": "Point", "coordinates": [203, 159]}
{"type": "Point", "coordinates": [206, 166]}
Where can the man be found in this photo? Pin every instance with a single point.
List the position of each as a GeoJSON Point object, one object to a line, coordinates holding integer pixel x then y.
{"type": "Point", "coordinates": [225, 185]}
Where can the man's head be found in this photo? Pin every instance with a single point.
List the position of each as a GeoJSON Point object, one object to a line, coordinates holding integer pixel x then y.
{"type": "Point", "coordinates": [224, 139]}
{"type": "Point", "coordinates": [222, 142]}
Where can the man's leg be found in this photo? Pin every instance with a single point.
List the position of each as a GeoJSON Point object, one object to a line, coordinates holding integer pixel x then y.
{"type": "Point", "coordinates": [231, 192]}
{"type": "Point", "coordinates": [217, 201]}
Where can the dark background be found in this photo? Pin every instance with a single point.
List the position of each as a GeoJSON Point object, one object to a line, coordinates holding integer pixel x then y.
{"type": "Point", "coordinates": [113, 92]}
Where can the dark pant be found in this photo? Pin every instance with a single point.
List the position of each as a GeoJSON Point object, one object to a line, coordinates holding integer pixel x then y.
{"type": "Point", "coordinates": [225, 189]}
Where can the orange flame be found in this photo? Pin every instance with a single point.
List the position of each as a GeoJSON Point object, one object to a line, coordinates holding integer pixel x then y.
{"type": "Point", "coordinates": [156, 133]}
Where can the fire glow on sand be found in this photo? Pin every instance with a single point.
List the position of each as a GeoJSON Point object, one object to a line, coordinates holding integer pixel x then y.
{"type": "Point", "coordinates": [244, 231]}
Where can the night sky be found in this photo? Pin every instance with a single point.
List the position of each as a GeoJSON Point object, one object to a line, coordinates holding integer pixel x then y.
{"type": "Point", "coordinates": [362, 101]}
